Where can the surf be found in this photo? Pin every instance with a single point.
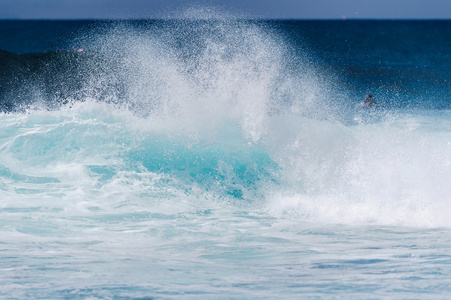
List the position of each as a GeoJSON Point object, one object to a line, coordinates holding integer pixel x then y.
{"type": "Point", "coordinates": [213, 113]}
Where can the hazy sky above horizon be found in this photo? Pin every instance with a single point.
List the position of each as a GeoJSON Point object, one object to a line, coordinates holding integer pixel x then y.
{"type": "Point", "coordinates": [279, 9]}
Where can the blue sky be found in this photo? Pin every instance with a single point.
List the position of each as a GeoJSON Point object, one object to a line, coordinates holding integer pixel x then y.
{"type": "Point", "coordinates": [291, 9]}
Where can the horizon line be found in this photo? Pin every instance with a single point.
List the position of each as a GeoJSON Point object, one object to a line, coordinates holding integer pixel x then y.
{"type": "Point", "coordinates": [225, 18]}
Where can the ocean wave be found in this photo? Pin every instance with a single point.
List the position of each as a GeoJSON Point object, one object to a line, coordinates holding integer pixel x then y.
{"type": "Point", "coordinates": [201, 114]}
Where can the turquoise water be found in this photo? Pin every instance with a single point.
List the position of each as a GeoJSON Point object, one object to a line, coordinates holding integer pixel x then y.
{"type": "Point", "coordinates": [224, 159]}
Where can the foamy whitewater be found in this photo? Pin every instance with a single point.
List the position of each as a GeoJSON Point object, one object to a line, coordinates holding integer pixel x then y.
{"type": "Point", "coordinates": [209, 157]}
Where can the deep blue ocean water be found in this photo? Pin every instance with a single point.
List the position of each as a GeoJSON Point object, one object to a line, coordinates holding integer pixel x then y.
{"type": "Point", "coordinates": [219, 158]}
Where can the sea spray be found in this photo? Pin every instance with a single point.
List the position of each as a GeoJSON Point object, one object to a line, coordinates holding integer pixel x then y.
{"type": "Point", "coordinates": [221, 107]}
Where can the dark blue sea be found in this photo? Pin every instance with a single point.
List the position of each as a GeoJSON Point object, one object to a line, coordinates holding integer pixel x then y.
{"type": "Point", "coordinates": [209, 157]}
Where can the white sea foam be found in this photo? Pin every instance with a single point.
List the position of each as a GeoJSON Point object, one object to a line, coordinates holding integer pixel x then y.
{"type": "Point", "coordinates": [220, 111]}
{"type": "Point", "coordinates": [394, 173]}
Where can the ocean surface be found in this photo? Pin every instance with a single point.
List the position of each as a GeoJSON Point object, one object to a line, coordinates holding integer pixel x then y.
{"type": "Point", "coordinates": [209, 157]}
